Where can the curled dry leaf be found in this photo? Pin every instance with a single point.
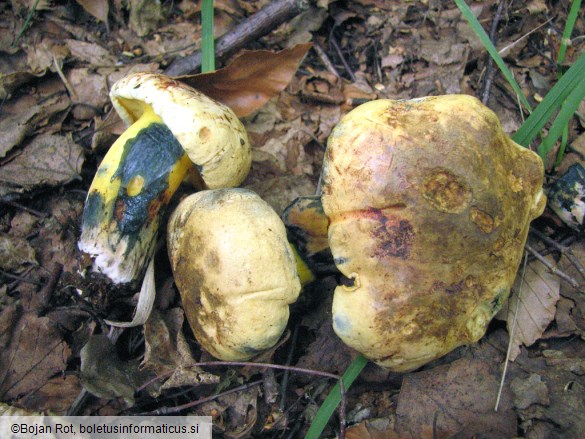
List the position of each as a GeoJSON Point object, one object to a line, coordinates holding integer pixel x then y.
{"type": "Point", "coordinates": [167, 353]}
{"type": "Point", "coordinates": [48, 160]}
{"type": "Point", "coordinates": [538, 299]}
{"type": "Point", "coordinates": [251, 79]}
{"type": "Point", "coordinates": [105, 375]}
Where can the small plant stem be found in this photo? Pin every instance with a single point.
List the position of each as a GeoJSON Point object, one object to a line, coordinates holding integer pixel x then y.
{"type": "Point", "coordinates": [284, 383]}
{"type": "Point", "coordinates": [554, 270]}
{"type": "Point", "coordinates": [565, 251]}
{"type": "Point", "coordinates": [512, 330]}
{"type": "Point", "coordinates": [26, 23]}
{"type": "Point", "coordinates": [490, 71]}
{"type": "Point", "coordinates": [340, 385]}
{"type": "Point", "coordinates": [172, 410]}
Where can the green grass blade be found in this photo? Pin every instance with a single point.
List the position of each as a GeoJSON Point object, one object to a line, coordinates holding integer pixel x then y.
{"type": "Point", "coordinates": [571, 19]}
{"type": "Point", "coordinates": [491, 49]}
{"type": "Point", "coordinates": [334, 398]}
{"type": "Point", "coordinates": [551, 103]}
{"type": "Point", "coordinates": [26, 23]}
{"type": "Point", "coordinates": [563, 146]}
{"type": "Point", "coordinates": [207, 42]}
{"type": "Point", "coordinates": [567, 110]}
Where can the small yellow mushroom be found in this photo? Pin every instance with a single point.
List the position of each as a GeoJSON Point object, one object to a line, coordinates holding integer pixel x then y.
{"type": "Point", "coordinates": [235, 271]}
{"type": "Point", "coordinates": [174, 130]}
{"type": "Point", "coordinates": [429, 204]}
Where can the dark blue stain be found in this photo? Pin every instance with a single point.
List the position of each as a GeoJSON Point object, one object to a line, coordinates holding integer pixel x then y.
{"type": "Point", "coordinates": [93, 212]}
{"type": "Point", "coordinates": [341, 324]}
{"type": "Point", "coordinates": [151, 154]}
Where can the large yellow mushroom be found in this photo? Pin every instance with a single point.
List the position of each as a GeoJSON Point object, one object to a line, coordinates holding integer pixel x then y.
{"type": "Point", "coordinates": [174, 130]}
{"type": "Point", "coordinates": [429, 204]}
{"type": "Point", "coordinates": [235, 271]}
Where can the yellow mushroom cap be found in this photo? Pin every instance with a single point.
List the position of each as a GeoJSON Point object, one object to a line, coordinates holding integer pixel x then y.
{"type": "Point", "coordinates": [234, 269]}
{"type": "Point", "coordinates": [429, 203]}
{"type": "Point", "coordinates": [211, 134]}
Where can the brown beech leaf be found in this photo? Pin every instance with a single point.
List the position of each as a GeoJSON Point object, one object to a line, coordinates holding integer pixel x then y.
{"type": "Point", "coordinates": [36, 352]}
{"type": "Point", "coordinates": [538, 300]}
{"type": "Point", "coordinates": [455, 400]}
{"type": "Point", "coordinates": [251, 79]}
{"type": "Point", "coordinates": [47, 160]}
{"type": "Point", "coordinates": [98, 8]}
{"type": "Point", "coordinates": [167, 353]}
{"type": "Point", "coordinates": [366, 430]}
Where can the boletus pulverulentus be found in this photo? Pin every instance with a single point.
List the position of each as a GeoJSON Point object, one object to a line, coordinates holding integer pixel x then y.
{"type": "Point", "coordinates": [429, 204]}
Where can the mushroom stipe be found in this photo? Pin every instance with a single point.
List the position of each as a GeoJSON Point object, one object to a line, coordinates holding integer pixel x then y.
{"type": "Point", "coordinates": [175, 132]}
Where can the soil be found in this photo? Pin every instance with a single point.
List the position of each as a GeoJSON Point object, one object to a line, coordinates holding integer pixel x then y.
{"type": "Point", "coordinates": [56, 123]}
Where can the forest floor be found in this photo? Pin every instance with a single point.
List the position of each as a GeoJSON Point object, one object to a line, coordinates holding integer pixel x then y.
{"type": "Point", "coordinates": [56, 122]}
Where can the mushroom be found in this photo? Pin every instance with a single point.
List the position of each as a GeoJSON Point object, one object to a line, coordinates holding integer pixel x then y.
{"type": "Point", "coordinates": [174, 130]}
{"type": "Point", "coordinates": [235, 271]}
{"type": "Point", "coordinates": [429, 204]}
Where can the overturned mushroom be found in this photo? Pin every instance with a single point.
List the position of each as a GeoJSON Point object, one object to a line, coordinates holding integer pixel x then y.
{"type": "Point", "coordinates": [235, 271]}
{"type": "Point", "coordinates": [174, 130]}
{"type": "Point", "coordinates": [429, 204]}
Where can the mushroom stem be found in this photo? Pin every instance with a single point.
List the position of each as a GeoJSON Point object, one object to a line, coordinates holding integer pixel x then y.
{"type": "Point", "coordinates": [128, 196]}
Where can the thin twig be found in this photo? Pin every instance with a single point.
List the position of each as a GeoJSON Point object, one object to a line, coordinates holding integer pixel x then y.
{"type": "Point", "coordinates": [44, 295]}
{"type": "Point", "coordinates": [503, 51]}
{"type": "Point", "coordinates": [163, 411]}
{"type": "Point", "coordinates": [289, 357]}
{"type": "Point", "coordinates": [254, 27]}
{"type": "Point", "coordinates": [25, 208]}
{"type": "Point", "coordinates": [26, 23]}
{"type": "Point", "coordinates": [565, 251]}
{"type": "Point", "coordinates": [490, 73]}
{"type": "Point", "coordinates": [554, 270]}
{"type": "Point", "coordinates": [340, 54]}
{"type": "Point", "coordinates": [512, 331]}
{"type": "Point", "coordinates": [20, 278]}
{"type": "Point", "coordinates": [342, 405]}
{"type": "Point", "coordinates": [325, 59]}
{"type": "Point", "coordinates": [64, 80]}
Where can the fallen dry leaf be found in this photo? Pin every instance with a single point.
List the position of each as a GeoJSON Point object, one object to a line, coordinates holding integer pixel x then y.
{"type": "Point", "coordinates": [105, 375]}
{"type": "Point", "coordinates": [251, 79]}
{"type": "Point", "coordinates": [35, 353]}
{"type": "Point", "coordinates": [167, 353]}
{"type": "Point", "coordinates": [91, 53]}
{"type": "Point", "coordinates": [48, 160]}
{"type": "Point", "coordinates": [365, 430]}
{"type": "Point", "coordinates": [538, 299]}
{"type": "Point", "coordinates": [145, 16]}
{"type": "Point", "coordinates": [15, 253]}
{"type": "Point", "coordinates": [56, 396]}
{"type": "Point", "coordinates": [455, 399]}
{"type": "Point", "coordinates": [237, 412]}
{"type": "Point", "coordinates": [531, 390]}
{"type": "Point", "coordinates": [98, 8]}
{"type": "Point", "coordinates": [22, 118]}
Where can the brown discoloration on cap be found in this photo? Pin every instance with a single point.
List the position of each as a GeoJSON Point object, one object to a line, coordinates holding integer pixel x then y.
{"type": "Point", "coordinates": [483, 220]}
{"type": "Point", "coordinates": [445, 191]}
